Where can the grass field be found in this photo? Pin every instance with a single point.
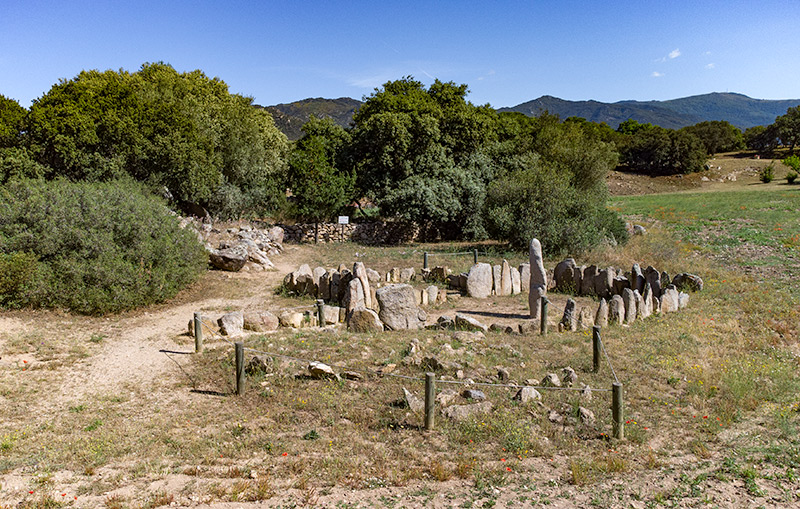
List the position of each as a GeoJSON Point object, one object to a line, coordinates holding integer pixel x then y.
{"type": "Point", "coordinates": [711, 392]}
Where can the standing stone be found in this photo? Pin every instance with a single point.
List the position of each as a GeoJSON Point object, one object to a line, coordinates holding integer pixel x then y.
{"type": "Point", "coordinates": [422, 299]}
{"type": "Point", "coordinates": [537, 287]}
{"type": "Point", "coordinates": [360, 272]}
{"type": "Point", "coordinates": [354, 296]}
{"type": "Point", "coordinates": [393, 276]}
{"type": "Point", "coordinates": [601, 317]}
{"type": "Point", "coordinates": [407, 275]}
{"type": "Point", "coordinates": [616, 310]}
{"type": "Point", "coordinates": [637, 278]}
{"type": "Point", "coordinates": [587, 280]}
{"type": "Point", "coordinates": [620, 283]}
{"type": "Point", "coordinates": [345, 276]}
{"type": "Point", "coordinates": [373, 276]}
{"type": "Point", "coordinates": [665, 280]}
{"type": "Point", "coordinates": [317, 275]}
{"type": "Point", "coordinates": [335, 279]}
{"type": "Point", "coordinates": [505, 279]}
{"type": "Point", "coordinates": [604, 283]}
{"type": "Point", "coordinates": [516, 281]}
{"type": "Point", "coordinates": [433, 294]}
{"type": "Point", "coordinates": [496, 277]}
{"type": "Point", "coordinates": [524, 277]}
{"type": "Point", "coordinates": [536, 265]}
{"type": "Point", "coordinates": [670, 300]}
{"type": "Point", "coordinates": [639, 304]}
{"type": "Point", "coordinates": [398, 307]}
{"type": "Point", "coordinates": [577, 277]}
{"type": "Point", "coordinates": [585, 318]}
{"type": "Point", "coordinates": [479, 281]}
{"type": "Point", "coordinates": [629, 302]}
{"type": "Point", "coordinates": [330, 314]}
{"type": "Point", "coordinates": [564, 275]}
{"type": "Point", "coordinates": [570, 318]}
{"type": "Point", "coordinates": [324, 291]}
{"type": "Point", "coordinates": [653, 277]}
{"type": "Point", "coordinates": [647, 302]}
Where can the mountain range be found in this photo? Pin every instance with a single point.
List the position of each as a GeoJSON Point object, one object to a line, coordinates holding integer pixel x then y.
{"type": "Point", "coordinates": [738, 109]}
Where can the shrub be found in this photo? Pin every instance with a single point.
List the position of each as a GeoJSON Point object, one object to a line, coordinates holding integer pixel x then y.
{"type": "Point", "coordinates": [101, 247]}
{"type": "Point", "coordinates": [767, 174]}
{"type": "Point", "coordinates": [791, 177]}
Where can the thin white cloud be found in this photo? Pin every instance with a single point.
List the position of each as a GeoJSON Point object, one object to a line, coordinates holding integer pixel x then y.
{"type": "Point", "coordinates": [710, 66]}
{"type": "Point", "coordinates": [674, 53]}
{"type": "Point", "coordinates": [491, 72]}
{"type": "Point", "coordinates": [657, 74]}
{"type": "Point", "coordinates": [371, 81]}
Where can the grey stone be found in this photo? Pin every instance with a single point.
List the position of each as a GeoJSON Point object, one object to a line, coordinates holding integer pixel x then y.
{"type": "Point", "coordinates": [505, 329]}
{"type": "Point", "coordinates": [330, 314]}
{"type": "Point", "coordinates": [684, 281]}
{"type": "Point", "coordinates": [354, 296]}
{"type": "Point", "coordinates": [653, 277]}
{"type": "Point", "coordinates": [683, 300]}
{"type": "Point", "coordinates": [551, 380]}
{"type": "Point", "coordinates": [407, 275]}
{"type": "Point", "coordinates": [585, 318]}
{"type": "Point", "coordinates": [360, 272]}
{"type": "Point", "coordinates": [398, 308]}
{"type": "Point", "coordinates": [473, 394]}
{"type": "Point", "coordinates": [496, 277]}
{"type": "Point", "coordinates": [291, 319]}
{"type": "Point", "coordinates": [258, 364]}
{"type": "Point", "coordinates": [639, 230]}
{"type": "Point", "coordinates": [536, 265]}
{"type": "Point", "coordinates": [373, 276]}
{"type": "Point", "coordinates": [527, 394]}
{"type": "Point", "coordinates": [433, 294]}
{"type": "Point", "coordinates": [601, 317]}
{"type": "Point", "coordinates": [616, 310]}
{"type": "Point", "coordinates": [446, 322]}
{"type": "Point", "coordinates": [587, 280]}
{"type": "Point", "coordinates": [670, 300]}
{"type": "Point", "coordinates": [465, 322]}
{"type": "Point", "coordinates": [260, 321]}
{"type": "Point", "coordinates": [231, 259]}
{"type": "Point", "coordinates": [479, 281]}
{"type": "Point", "coordinates": [316, 277]}
{"type": "Point", "coordinates": [505, 280]}
{"type": "Point", "coordinates": [413, 402]}
{"type": "Point", "coordinates": [629, 302]}
{"type": "Point", "coordinates": [568, 377]}
{"type": "Point", "coordinates": [604, 283]}
{"type": "Point", "coordinates": [564, 275]}
{"type": "Point", "coordinates": [516, 281]}
{"type": "Point", "coordinates": [231, 324]}
{"type": "Point", "coordinates": [586, 416]}
{"type": "Point", "coordinates": [637, 278]}
{"type": "Point", "coordinates": [620, 284]}
{"type": "Point", "coordinates": [320, 370]}
{"type": "Point", "coordinates": [647, 302]}
{"type": "Point", "coordinates": [569, 320]}
{"type": "Point", "coordinates": [535, 301]}
{"type": "Point", "coordinates": [524, 277]}
{"type": "Point", "coordinates": [364, 320]}
{"type": "Point", "coordinates": [459, 413]}
{"type": "Point", "coordinates": [324, 290]}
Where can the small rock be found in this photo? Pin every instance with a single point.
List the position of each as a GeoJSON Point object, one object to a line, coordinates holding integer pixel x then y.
{"type": "Point", "coordinates": [527, 394]}
{"type": "Point", "coordinates": [551, 380]}
{"type": "Point", "coordinates": [465, 322]}
{"type": "Point", "coordinates": [414, 403]}
{"type": "Point", "coordinates": [473, 394]}
{"type": "Point", "coordinates": [568, 376]}
{"type": "Point", "coordinates": [586, 416]}
{"type": "Point", "coordinates": [320, 371]}
{"type": "Point", "coordinates": [461, 413]}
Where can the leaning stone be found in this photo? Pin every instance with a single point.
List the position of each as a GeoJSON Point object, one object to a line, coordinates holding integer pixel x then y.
{"type": "Point", "coordinates": [637, 278]}
{"type": "Point", "coordinates": [601, 317]}
{"type": "Point", "coordinates": [551, 380]}
{"type": "Point", "coordinates": [460, 413]}
{"type": "Point", "coordinates": [354, 296]}
{"type": "Point", "coordinates": [231, 324]}
{"type": "Point", "coordinates": [360, 272]}
{"type": "Point", "coordinates": [479, 281]}
{"type": "Point", "coordinates": [398, 308]}
{"type": "Point", "coordinates": [364, 320]}
{"type": "Point", "coordinates": [321, 371]}
{"type": "Point", "coordinates": [473, 394]}
{"type": "Point", "coordinates": [616, 310]}
{"type": "Point", "coordinates": [464, 322]}
{"type": "Point", "coordinates": [527, 394]}
{"type": "Point", "coordinates": [684, 281]}
{"type": "Point", "coordinates": [653, 277]}
{"type": "Point", "coordinates": [569, 320]}
{"type": "Point", "coordinates": [260, 321]}
{"type": "Point", "coordinates": [413, 402]}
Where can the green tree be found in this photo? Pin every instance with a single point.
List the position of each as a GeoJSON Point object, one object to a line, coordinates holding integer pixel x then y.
{"type": "Point", "coordinates": [789, 127]}
{"type": "Point", "coordinates": [763, 139]}
{"type": "Point", "coordinates": [12, 117]}
{"type": "Point", "coordinates": [420, 155]}
{"type": "Point", "coordinates": [319, 186]}
{"type": "Point", "coordinates": [632, 126]}
{"type": "Point", "coordinates": [659, 151]}
{"type": "Point", "coordinates": [717, 136]}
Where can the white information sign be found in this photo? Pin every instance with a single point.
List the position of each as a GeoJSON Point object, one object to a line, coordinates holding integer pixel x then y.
{"type": "Point", "coordinates": [344, 219]}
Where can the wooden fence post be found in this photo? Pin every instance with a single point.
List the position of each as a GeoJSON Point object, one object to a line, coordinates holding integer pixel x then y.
{"type": "Point", "coordinates": [430, 399]}
{"type": "Point", "coordinates": [239, 349]}
{"type": "Point", "coordinates": [617, 411]}
{"type": "Point", "coordinates": [543, 325]}
{"type": "Point", "coordinates": [474, 256]}
{"type": "Point", "coordinates": [198, 332]}
{"type": "Point", "coordinates": [596, 348]}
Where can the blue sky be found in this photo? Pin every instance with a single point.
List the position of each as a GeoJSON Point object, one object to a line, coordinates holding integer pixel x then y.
{"type": "Point", "coordinates": [508, 52]}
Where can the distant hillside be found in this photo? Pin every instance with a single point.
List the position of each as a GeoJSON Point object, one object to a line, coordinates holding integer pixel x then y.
{"type": "Point", "coordinates": [738, 109]}
{"type": "Point", "coordinates": [289, 118]}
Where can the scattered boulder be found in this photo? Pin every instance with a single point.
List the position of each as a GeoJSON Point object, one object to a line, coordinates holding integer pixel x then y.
{"type": "Point", "coordinates": [231, 259]}
{"type": "Point", "coordinates": [413, 402]}
{"type": "Point", "coordinates": [460, 413]}
{"type": "Point", "coordinates": [684, 281]}
{"type": "Point", "coordinates": [568, 377]}
{"type": "Point", "coordinates": [291, 319]}
{"type": "Point", "coordinates": [551, 380]}
{"type": "Point", "coordinates": [473, 394]}
{"type": "Point", "coordinates": [398, 307]}
{"type": "Point", "coordinates": [586, 416]}
{"type": "Point", "coordinates": [258, 364]}
{"type": "Point", "coordinates": [260, 321]}
{"type": "Point", "coordinates": [321, 371]}
{"type": "Point", "coordinates": [231, 324]}
{"type": "Point", "coordinates": [527, 394]}
{"type": "Point", "coordinates": [467, 323]}
{"type": "Point", "coordinates": [364, 320]}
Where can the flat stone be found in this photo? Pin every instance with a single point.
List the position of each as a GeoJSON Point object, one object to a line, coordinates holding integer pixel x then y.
{"type": "Point", "coordinates": [460, 413]}
{"type": "Point", "coordinates": [465, 322]}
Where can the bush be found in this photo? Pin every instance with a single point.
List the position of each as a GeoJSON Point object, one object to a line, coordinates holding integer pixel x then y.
{"type": "Point", "coordinates": [92, 248]}
{"type": "Point", "coordinates": [791, 177]}
{"type": "Point", "coordinates": [792, 162]}
{"type": "Point", "coordinates": [767, 174]}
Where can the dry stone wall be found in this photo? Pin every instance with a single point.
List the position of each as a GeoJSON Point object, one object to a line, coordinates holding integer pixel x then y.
{"type": "Point", "coordinates": [371, 232]}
